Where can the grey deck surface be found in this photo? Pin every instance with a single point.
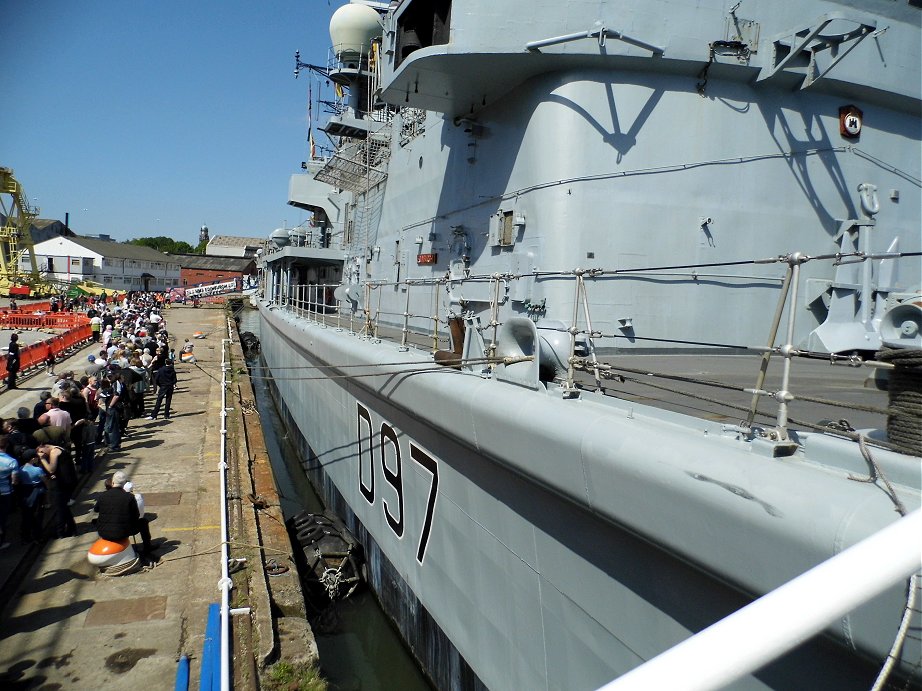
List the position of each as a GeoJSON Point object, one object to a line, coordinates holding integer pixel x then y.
{"type": "Point", "coordinates": [812, 378]}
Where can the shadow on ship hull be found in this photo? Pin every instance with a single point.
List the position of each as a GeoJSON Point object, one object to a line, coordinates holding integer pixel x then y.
{"type": "Point", "coordinates": [667, 583]}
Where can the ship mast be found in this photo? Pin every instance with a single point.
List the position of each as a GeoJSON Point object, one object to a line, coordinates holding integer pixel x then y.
{"type": "Point", "coordinates": [361, 122]}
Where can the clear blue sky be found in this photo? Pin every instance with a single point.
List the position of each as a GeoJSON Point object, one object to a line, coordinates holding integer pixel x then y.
{"type": "Point", "coordinates": [151, 117]}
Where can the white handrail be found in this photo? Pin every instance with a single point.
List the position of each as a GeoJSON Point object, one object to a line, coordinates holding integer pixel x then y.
{"type": "Point", "coordinates": [780, 620]}
{"type": "Point", "coordinates": [225, 584]}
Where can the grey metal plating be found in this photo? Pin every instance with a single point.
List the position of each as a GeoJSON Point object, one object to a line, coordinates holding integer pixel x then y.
{"type": "Point", "coordinates": [579, 179]}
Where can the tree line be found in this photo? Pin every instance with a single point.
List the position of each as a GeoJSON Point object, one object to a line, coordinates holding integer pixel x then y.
{"type": "Point", "coordinates": [161, 243]}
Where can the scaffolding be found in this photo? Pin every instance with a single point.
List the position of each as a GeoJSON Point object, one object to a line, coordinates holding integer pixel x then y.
{"type": "Point", "coordinates": [360, 165]}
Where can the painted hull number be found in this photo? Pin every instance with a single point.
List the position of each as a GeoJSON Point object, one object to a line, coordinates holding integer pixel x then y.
{"type": "Point", "coordinates": [390, 460]}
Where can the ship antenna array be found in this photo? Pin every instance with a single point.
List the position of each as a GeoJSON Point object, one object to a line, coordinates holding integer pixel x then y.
{"type": "Point", "coordinates": [317, 69]}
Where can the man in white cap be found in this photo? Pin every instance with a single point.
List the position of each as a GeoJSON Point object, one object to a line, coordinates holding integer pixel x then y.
{"type": "Point", "coordinates": [119, 517]}
{"type": "Point", "coordinates": [94, 366]}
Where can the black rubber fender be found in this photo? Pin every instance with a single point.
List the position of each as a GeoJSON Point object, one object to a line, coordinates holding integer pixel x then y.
{"type": "Point", "coordinates": [310, 534]}
{"type": "Point", "coordinates": [305, 519]}
{"type": "Point", "coordinates": [302, 519]}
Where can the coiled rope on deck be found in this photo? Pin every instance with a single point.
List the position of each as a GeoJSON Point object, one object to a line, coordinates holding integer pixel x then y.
{"type": "Point", "coordinates": [904, 412]}
{"type": "Point", "coordinates": [125, 569]}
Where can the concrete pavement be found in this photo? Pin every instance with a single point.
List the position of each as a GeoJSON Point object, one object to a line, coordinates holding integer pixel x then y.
{"type": "Point", "coordinates": [66, 626]}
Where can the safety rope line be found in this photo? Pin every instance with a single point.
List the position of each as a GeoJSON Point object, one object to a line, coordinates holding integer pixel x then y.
{"type": "Point", "coordinates": [837, 257]}
{"type": "Point", "coordinates": [447, 365]}
{"type": "Point", "coordinates": [830, 429]}
{"type": "Point", "coordinates": [841, 404]}
{"type": "Point", "coordinates": [687, 394]}
{"type": "Point", "coordinates": [453, 361]}
{"type": "Point", "coordinates": [726, 387]}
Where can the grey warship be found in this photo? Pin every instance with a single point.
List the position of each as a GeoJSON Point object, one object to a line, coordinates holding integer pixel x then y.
{"type": "Point", "coordinates": [608, 321]}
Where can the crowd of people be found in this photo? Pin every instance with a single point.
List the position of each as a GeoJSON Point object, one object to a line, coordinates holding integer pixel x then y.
{"type": "Point", "coordinates": [43, 451]}
{"type": "Point", "coordinates": [84, 303]}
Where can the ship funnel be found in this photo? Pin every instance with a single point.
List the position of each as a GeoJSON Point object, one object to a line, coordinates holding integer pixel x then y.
{"type": "Point", "coordinates": [901, 326]}
{"type": "Point", "coordinates": [352, 28]}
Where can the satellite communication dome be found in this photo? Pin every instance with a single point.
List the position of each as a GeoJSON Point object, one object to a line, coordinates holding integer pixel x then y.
{"type": "Point", "coordinates": [352, 28]}
{"type": "Point", "coordinates": [280, 237]}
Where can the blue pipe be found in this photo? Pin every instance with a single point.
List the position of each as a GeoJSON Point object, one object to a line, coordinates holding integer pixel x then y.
{"type": "Point", "coordinates": [182, 674]}
{"type": "Point", "coordinates": [211, 650]}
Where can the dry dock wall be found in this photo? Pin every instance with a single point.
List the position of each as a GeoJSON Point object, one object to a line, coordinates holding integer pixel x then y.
{"type": "Point", "coordinates": [270, 586]}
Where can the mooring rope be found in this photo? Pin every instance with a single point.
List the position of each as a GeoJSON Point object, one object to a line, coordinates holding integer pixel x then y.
{"type": "Point", "coordinates": [904, 413]}
{"type": "Point", "coordinates": [876, 474]}
{"type": "Point", "coordinates": [128, 567]}
{"type": "Point", "coordinates": [901, 635]}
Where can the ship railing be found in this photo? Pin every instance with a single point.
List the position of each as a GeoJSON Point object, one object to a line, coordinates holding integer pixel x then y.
{"type": "Point", "coordinates": [777, 622]}
{"type": "Point", "coordinates": [365, 64]}
{"type": "Point", "coordinates": [412, 124]}
{"type": "Point", "coordinates": [425, 319]}
{"type": "Point", "coordinates": [581, 326]}
{"type": "Point", "coordinates": [314, 301]}
{"type": "Point", "coordinates": [307, 237]}
{"type": "Point", "coordinates": [360, 164]}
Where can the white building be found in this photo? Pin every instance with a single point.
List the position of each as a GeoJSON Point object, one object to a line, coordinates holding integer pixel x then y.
{"type": "Point", "coordinates": [114, 265]}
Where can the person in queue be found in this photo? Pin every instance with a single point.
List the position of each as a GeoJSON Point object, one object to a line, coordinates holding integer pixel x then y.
{"type": "Point", "coordinates": [32, 490]}
{"type": "Point", "coordinates": [12, 361]}
{"type": "Point", "coordinates": [9, 478]}
{"type": "Point", "coordinates": [58, 464]}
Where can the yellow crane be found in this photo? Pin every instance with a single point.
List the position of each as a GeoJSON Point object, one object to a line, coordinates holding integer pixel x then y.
{"type": "Point", "coordinates": [16, 240]}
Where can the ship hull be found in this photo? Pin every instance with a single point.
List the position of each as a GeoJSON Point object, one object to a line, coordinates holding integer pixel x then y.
{"type": "Point", "coordinates": [563, 544]}
{"type": "Point", "coordinates": [540, 204]}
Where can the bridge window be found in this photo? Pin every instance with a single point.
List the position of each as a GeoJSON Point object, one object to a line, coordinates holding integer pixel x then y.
{"type": "Point", "coordinates": [424, 23]}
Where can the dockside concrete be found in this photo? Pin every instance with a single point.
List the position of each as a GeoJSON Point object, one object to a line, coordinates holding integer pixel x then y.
{"type": "Point", "coordinates": [64, 626]}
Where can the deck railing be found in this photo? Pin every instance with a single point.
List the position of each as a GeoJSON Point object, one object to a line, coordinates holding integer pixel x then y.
{"type": "Point", "coordinates": [780, 620]}
{"type": "Point", "coordinates": [360, 310]}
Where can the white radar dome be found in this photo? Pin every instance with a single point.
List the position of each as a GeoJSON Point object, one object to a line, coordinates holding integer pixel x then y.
{"type": "Point", "coordinates": [352, 27]}
{"type": "Point", "coordinates": [280, 237]}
